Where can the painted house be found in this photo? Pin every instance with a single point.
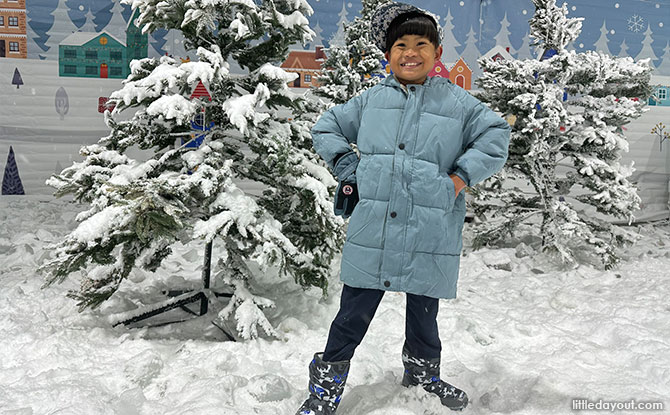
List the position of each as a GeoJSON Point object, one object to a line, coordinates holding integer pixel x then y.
{"type": "Point", "coordinates": [101, 55]}
{"type": "Point", "coordinates": [137, 43]}
{"type": "Point", "coordinates": [92, 55]}
{"type": "Point", "coordinates": [307, 64]}
{"type": "Point", "coordinates": [461, 74]}
{"type": "Point", "coordinates": [439, 70]}
{"type": "Point", "coordinates": [661, 93]}
{"type": "Point", "coordinates": [199, 124]}
{"type": "Point", "coordinates": [498, 53]}
{"type": "Point", "coordinates": [13, 39]}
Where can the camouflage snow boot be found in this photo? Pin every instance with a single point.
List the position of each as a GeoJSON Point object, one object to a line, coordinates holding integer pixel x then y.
{"type": "Point", "coordinates": [326, 384]}
{"type": "Point", "coordinates": [427, 374]}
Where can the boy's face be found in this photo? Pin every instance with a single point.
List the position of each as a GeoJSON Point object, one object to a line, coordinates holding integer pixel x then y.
{"type": "Point", "coordinates": [412, 57]}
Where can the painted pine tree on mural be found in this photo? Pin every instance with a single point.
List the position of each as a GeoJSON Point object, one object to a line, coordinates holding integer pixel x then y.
{"type": "Point", "coordinates": [140, 209]}
{"type": "Point", "coordinates": [11, 181]}
{"type": "Point", "coordinates": [567, 149]}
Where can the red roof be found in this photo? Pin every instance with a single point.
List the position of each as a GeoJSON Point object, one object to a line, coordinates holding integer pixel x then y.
{"type": "Point", "coordinates": [439, 70]}
{"type": "Point", "coordinates": [200, 91]}
{"type": "Point", "coordinates": [298, 59]}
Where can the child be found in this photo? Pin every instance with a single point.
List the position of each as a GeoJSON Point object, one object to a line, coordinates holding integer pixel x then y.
{"type": "Point", "coordinates": [421, 141]}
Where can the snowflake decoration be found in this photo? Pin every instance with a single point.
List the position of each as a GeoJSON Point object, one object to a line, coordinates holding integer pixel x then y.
{"type": "Point", "coordinates": [635, 23]}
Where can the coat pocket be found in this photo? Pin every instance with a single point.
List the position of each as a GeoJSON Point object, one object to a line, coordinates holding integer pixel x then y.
{"type": "Point", "coordinates": [366, 224]}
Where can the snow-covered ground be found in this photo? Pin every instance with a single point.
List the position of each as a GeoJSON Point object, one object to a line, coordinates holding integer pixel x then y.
{"type": "Point", "coordinates": [524, 337]}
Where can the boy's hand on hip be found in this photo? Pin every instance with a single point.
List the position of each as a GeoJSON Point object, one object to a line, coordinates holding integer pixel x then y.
{"type": "Point", "coordinates": [346, 197]}
{"type": "Point", "coordinates": [459, 184]}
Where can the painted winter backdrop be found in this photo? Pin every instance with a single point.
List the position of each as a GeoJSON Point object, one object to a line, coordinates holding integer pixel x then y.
{"type": "Point", "coordinates": [636, 28]}
{"type": "Point", "coordinates": [626, 28]}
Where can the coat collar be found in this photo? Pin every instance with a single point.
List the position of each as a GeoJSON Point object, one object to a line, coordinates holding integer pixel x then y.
{"type": "Point", "coordinates": [393, 82]}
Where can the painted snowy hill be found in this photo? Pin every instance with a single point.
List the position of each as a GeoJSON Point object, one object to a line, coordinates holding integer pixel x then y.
{"type": "Point", "coordinates": [524, 337]}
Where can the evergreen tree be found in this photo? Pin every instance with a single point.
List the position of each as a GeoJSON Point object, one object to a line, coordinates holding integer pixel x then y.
{"type": "Point", "coordinates": [317, 39]}
{"type": "Point", "coordinates": [471, 53]}
{"type": "Point", "coordinates": [567, 151]}
{"type": "Point", "coordinates": [349, 70]}
{"type": "Point", "coordinates": [602, 44]}
{"type": "Point", "coordinates": [524, 51]}
{"type": "Point", "coordinates": [175, 45]}
{"type": "Point", "coordinates": [449, 41]}
{"type": "Point", "coordinates": [17, 80]}
{"type": "Point", "coordinates": [138, 209]}
{"type": "Point", "coordinates": [117, 24]}
{"type": "Point", "coordinates": [503, 36]}
{"type": "Point", "coordinates": [647, 51]}
{"type": "Point", "coordinates": [664, 67]}
{"type": "Point", "coordinates": [11, 181]}
{"type": "Point", "coordinates": [623, 52]}
{"type": "Point", "coordinates": [157, 40]}
{"type": "Point", "coordinates": [61, 28]}
{"type": "Point", "coordinates": [89, 23]}
{"type": "Point", "coordinates": [340, 37]}
{"type": "Point", "coordinates": [34, 50]}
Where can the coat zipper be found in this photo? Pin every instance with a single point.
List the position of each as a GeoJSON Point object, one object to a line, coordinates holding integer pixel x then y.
{"type": "Point", "coordinates": [386, 214]}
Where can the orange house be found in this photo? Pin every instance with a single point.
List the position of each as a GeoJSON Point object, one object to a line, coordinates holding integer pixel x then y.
{"type": "Point", "coordinates": [13, 39]}
{"type": "Point", "coordinates": [461, 74]}
{"type": "Point", "coordinates": [307, 64]}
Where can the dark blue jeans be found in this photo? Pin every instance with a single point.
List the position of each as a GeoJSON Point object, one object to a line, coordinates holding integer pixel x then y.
{"type": "Point", "coordinates": [358, 307]}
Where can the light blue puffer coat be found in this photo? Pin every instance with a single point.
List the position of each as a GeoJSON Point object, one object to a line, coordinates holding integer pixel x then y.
{"type": "Point", "coordinates": [405, 234]}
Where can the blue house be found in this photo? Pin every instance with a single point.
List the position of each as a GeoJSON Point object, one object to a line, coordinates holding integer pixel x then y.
{"type": "Point", "coordinates": [92, 55]}
{"type": "Point", "coordinates": [137, 43]}
{"type": "Point", "coordinates": [101, 55]}
{"type": "Point", "coordinates": [661, 95]}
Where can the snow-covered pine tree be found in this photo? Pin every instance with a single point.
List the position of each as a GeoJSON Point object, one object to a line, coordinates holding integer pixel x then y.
{"type": "Point", "coordinates": [351, 69]}
{"type": "Point", "coordinates": [139, 209]}
{"type": "Point", "coordinates": [568, 151]}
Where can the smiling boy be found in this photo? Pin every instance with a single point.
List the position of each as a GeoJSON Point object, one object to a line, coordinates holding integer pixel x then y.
{"type": "Point", "coordinates": [421, 141]}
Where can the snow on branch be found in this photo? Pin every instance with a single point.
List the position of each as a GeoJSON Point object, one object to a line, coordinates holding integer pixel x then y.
{"type": "Point", "coordinates": [240, 110]}
{"type": "Point", "coordinates": [551, 27]}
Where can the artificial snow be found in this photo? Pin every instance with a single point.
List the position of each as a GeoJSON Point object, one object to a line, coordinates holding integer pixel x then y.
{"type": "Point", "coordinates": [275, 72]}
{"type": "Point", "coordinates": [240, 109]}
{"type": "Point", "coordinates": [176, 107]}
{"type": "Point", "coordinates": [525, 341]}
{"type": "Point", "coordinates": [239, 26]}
